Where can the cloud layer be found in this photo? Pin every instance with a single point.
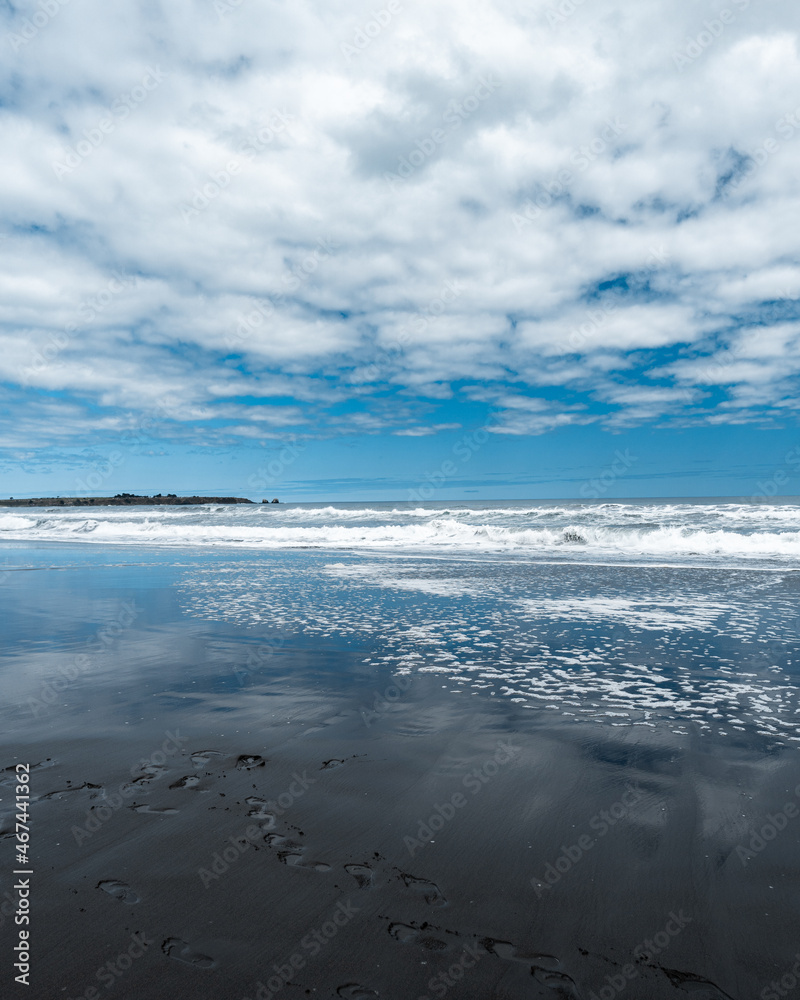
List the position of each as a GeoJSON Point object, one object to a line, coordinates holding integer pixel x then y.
{"type": "Point", "coordinates": [242, 220]}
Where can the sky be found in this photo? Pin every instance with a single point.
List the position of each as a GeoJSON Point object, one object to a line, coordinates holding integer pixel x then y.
{"type": "Point", "coordinates": [348, 250]}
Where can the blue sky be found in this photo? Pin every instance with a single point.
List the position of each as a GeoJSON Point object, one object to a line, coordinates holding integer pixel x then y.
{"type": "Point", "coordinates": [311, 250]}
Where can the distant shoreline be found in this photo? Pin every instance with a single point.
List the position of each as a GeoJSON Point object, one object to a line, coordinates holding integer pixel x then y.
{"type": "Point", "coordinates": [122, 500]}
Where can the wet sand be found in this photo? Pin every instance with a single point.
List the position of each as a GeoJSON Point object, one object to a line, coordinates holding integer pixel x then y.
{"type": "Point", "coordinates": [210, 822]}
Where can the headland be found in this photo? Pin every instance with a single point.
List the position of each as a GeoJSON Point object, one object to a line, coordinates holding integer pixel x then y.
{"type": "Point", "coordinates": [120, 500]}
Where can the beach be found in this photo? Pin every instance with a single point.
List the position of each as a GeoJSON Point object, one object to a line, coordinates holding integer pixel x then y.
{"type": "Point", "coordinates": [400, 515]}
{"type": "Point", "coordinates": [404, 751]}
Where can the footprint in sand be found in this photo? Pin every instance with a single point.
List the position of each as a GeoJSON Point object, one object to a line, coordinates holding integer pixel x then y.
{"type": "Point", "coordinates": [291, 853]}
{"type": "Point", "coordinates": [94, 791]}
{"type": "Point", "coordinates": [406, 934]}
{"type": "Point", "coordinates": [294, 860]}
{"type": "Point", "coordinates": [546, 969]}
{"type": "Point", "coordinates": [182, 952]}
{"type": "Point", "coordinates": [201, 757]}
{"type": "Point", "coordinates": [150, 772]}
{"type": "Point", "coordinates": [559, 981]}
{"type": "Point", "coordinates": [259, 811]}
{"type": "Point", "coordinates": [12, 770]}
{"type": "Point", "coordinates": [281, 840]}
{"type": "Point", "coordinates": [403, 933]}
{"type": "Point", "coordinates": [508, 951]}
{"type": "Point", "coordinates": [247, 761]}
{"type": "Point", "coordinates": [120, 891]}
{"type": "Point", "coordinates": [430, 892]}
{"type": "Point", "coordinates": [702, 988]}
{"type": "Point", "coordinates": [354, 991]}
{"type": "Point", "coordinates": [137, 785]}
{"type": "Point", "coordinates": [363, 875]}
{"type": "Point", "coordinates": [188, 781]}
{"type": "Point", "coordinates": [329, 765]}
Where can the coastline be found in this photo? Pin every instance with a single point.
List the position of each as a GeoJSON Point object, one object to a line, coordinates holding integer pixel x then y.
{"type": "Point", "coordinates": [123, 500]}
{"type": "Point", "coordinates": [304, 773]}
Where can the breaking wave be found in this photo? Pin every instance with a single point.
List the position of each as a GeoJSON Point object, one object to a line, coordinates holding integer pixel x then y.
{"type": "Point", "coordinates": [571, 531]}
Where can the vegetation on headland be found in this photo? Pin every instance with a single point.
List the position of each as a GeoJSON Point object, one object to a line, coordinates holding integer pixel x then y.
{"type": "Point", "coordinates": [121, 500]}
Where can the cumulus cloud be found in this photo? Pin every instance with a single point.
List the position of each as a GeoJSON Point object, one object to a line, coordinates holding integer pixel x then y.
{"type": "Point", "coordinates": [287, 218]}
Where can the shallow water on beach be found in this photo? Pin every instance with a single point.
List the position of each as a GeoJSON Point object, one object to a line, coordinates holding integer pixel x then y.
{"type": "Point", "coordinates": [508, 777]}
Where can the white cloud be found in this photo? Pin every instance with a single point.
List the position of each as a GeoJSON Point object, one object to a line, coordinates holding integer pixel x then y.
{"type": "Point", "coordinates": [250, 168]}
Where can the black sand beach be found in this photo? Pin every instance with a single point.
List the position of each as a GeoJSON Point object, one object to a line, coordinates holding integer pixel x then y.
{"type": "Point", "coordinates": [223, 811]}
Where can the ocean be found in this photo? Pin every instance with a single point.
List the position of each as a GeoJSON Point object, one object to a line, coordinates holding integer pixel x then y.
{"type": "Point", "coordinates": [528, 749]}
{"type": "Point", "coordinates": [669, 531]}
